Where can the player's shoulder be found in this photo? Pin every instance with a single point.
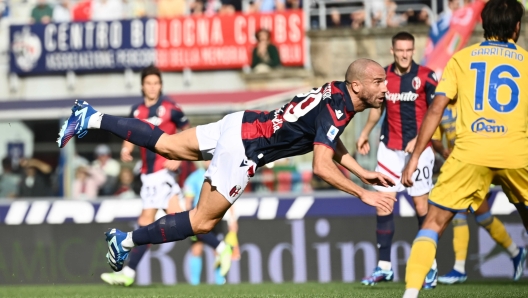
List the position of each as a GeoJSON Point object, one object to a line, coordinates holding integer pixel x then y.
{"type": "Point", "coordinates": [170, 103]}
{"type": "Point", "coordinates": [426, 72]}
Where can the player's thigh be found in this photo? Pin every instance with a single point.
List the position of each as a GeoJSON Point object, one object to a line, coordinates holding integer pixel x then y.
{"type": "Point", "coordinates": [147, 217]}
{"type": "Point", "coordinates": [174, 205]}
{"type": "Point", "coordinates": [437, 219]}
{"type": "Point", "coordinates": [210, 209]}
{"type": "Point", "coordinates": [230, 169]}
{"type": "Point", "coordinates": [180, 146]}
{"type": "Point", "coordinates": [514, 183]}
{"type": "Point", "coordinates": [484, 207]}
{"type": "Point", "coordinates": [391, 163]}
{"type": "Point", "coordinates": [423, 176]}
{"type": "Point", "coordinates": [421, 204]}
{"type": "Point", "coordinates": [461, 186]}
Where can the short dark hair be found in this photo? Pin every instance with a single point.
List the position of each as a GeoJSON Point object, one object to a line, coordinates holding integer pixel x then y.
{"type": "Point", "coordinates": [7, 164]}
{"type": "Point", "coordinates": [500, 18]}
{"type": "Point", "coordinates": [150, 70]}
{"type": "Point", "coordinates": [403, 35]}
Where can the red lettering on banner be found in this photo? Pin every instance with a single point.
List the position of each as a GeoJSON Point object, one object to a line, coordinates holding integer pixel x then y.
{"type": "Point", "coordinates": [224, 42]}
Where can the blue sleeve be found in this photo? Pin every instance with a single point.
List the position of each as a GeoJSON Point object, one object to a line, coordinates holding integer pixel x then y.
{"type": "Point", "coordinates": [329, 127]}
{"type": "Point", "coordinates": [430, 87]}
{"type": "Point", "coordinates": [179, 118]}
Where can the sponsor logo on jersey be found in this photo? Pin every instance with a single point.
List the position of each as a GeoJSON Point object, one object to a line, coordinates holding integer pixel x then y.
{"type": "Point", "coordinates": [161, 111]}
{"type": "Point", "coordinates": [332, 133]}
{"type": "Point", "coordinates": [404, 96]}
{"type": "Point", "coordinates": [277, 118]}
{"type": "Point", "coordinates": [416, 83]}
{"type": "Point", "coordinates": [327, 93]}
{"type": "Point", "coordinates": [488, 127]}
{"type": "Point", "coordinates": [435, 77]}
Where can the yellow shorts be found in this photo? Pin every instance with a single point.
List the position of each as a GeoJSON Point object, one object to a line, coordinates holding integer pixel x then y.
{"type": "Point", "coordinates": [462, 186]}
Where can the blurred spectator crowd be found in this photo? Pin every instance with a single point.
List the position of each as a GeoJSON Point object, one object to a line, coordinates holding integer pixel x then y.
{"type": "Point", "coordinates": [106, 176]}
{"type": "Point", "coordinates": [338, 13]}
{"type": "Point", "coordinates": [33, 178]}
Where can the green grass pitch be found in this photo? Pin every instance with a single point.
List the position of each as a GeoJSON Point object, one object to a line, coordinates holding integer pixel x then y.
{"type": "Point", "coordinates": [469, 289]}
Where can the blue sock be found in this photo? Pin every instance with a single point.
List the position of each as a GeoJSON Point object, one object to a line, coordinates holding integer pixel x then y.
{"type": "Point", "coordinates": [171, 227]}
{"type": "Point", "coordinates": [219, 279]}
{"type": "Point", "coordinates": [136, 254]}
{"type": "Point", "coordinates": [196, 269]}
{"type": "Point", "coordinates": [384, 233]}
{"type": "Point", "coordinates": [421, 220]}
{"type": "Point", "coordinates": [136, 131]}
{"type": "Point", "coordinates": [209, 239]}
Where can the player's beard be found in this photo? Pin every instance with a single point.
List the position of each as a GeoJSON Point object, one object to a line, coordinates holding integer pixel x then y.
{"type": "Point", "coordinates": [370, 99]}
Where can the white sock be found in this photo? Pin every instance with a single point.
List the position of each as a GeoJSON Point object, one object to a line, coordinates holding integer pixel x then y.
{"type": "Point", "coordinates": [385, 265]}
{"type": "Point", "coordinates": [434, 265]}
{"type": "Point", "coordinates": [220, 248]}
{"type": "Point", "coordinates": [129, 272]}
{"type": "Point", "coordinates": [128, 243]}
{"type": "Point", "coordinates": [95, 121]}
{"type": "Point", "coordinates": [513, 250]}
{"type": "Point", "coordinates": [411, 293]}
{"type": "Point", "coordinates": [460, 266]}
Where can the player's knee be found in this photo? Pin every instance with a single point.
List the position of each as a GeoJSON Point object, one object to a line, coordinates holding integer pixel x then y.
{"type": "Point", "coordinates": [421, 209]}
{"type": "Point", "coordinates": [145, 220]}
{"type": "Point", "coordinates": [205, 226]}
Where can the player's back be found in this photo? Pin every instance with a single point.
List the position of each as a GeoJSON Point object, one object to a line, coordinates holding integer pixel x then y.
{"type": "Point", "coordinates": [491, 127]}
{"type": "Point", "coordinates": [317, 117]}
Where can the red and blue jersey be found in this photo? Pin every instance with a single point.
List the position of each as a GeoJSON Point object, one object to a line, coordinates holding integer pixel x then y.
{"type": "Point", "coordinates": [317, 117]}
{"type": "Point", "coordinates": [406, 103]}
{"type": "Point", "coordinates": [168, 117]}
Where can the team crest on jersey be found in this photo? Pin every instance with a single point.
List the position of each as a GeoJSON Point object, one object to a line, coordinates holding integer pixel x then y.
{"type": "Point", "coordinates": [416, 83]}
{"type": "Point", "coordinates": [161, 111]}
{"type": "Point", "coordinates": [235, 191]}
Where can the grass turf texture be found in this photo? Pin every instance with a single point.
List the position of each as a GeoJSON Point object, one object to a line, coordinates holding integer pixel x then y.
{"type": "Point", "coordinates": [468, 289]}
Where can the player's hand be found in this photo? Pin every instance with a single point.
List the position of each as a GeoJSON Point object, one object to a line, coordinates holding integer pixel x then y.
{"type": "Point", "coordinates": [446, 153]}
{"type": "Point", "coordinates": [172, 165]}
{"type": "Point", "coordinates": [410, 146]}
{"type": "Point", "coordinates": [126, 155]}
{"type": "Point", "coordinates": [380, 200]}
{"type": "Point", "coordinates": [363, 146]}
{"type": "Point", "coordinates": [376, 178]}
{"type": "Point", "coordinates": [408, 172]}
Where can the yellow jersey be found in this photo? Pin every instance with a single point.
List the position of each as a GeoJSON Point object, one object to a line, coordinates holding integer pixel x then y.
{"type": "Point", "coordinates": [447, 126]}
{"type": "Point", "coordinates": [491, 82]}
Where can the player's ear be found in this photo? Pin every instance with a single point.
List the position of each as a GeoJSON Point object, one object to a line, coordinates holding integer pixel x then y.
{"type": "Point", "coordinates": [356, 87]}
{"type": "Point", "coordinates": [392, 50]}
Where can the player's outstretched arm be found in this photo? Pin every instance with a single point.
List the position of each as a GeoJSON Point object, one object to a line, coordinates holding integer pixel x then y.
{"type": "Point", "coordinates": [324, 167]}
{"type": "Point", "coordinates": [363, 146]}
{"type": "Point", "coordinates": [429, 125]}
{"type": "Point", "coordinates": [342, 157]}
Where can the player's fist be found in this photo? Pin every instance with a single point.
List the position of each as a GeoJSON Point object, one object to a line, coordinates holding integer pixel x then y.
{"type": "Point", "coordinates": [126, 155]}
{"type": "Point", "coordinates": [380, 200]}
{"type": "Point", "coordinates": [172, 165]}
{"type": "Point", "coordinates": [408, 171]}
{"type": "Point", "coordinates": [363, 146]}
{"type": "Point", "coordinates": [376, 178]}
{"type": "Point", "coordinates": [410, 146]}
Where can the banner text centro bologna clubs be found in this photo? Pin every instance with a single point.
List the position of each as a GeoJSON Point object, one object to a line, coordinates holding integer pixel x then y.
{"type": "Point", "coordinates": [198, 43]}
